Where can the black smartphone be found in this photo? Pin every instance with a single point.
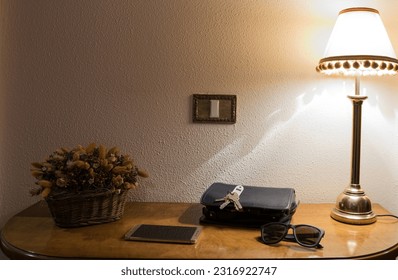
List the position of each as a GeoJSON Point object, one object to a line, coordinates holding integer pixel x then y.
{"type": "Point", "coordinates": [164, 233]}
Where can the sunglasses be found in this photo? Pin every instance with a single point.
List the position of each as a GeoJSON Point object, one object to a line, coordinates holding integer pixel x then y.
{"type": "Point", "coordinates": [305, 235]}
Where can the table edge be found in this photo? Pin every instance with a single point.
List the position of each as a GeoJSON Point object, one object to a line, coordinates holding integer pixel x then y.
{"type": "Point", "coordinates": [14, 252]}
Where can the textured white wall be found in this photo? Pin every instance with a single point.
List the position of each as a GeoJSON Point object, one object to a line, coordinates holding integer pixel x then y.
{"type": "Point", "coordinates": [123, 72]}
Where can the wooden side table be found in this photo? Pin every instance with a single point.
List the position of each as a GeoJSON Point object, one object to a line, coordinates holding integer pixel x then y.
{"type": "Point", "coordinates": [32, 234]}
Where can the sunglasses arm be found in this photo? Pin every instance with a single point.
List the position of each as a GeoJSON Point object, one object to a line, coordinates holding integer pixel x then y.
{"type": "Point", "coordinates": [291, 238]}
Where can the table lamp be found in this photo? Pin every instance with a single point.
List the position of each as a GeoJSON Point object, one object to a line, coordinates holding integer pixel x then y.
{"type": "Point", "coordinates": [358, 46]}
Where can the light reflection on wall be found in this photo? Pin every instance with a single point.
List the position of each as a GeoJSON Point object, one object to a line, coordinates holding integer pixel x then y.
{"type": "Point", "coordinates": [279, 154]}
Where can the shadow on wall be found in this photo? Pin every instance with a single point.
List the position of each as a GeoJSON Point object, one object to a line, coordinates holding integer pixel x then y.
{"type": "Point", "coordinates": [282, 132]}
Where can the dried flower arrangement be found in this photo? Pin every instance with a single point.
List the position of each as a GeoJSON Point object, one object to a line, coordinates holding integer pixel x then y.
{"type": "Point", "coordinates": [85, 169]}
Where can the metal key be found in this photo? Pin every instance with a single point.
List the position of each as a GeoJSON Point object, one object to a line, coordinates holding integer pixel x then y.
{"type": "Point", "coordinates": [234, 197]}
{"type": "Point", "coordinates": [226, 202]}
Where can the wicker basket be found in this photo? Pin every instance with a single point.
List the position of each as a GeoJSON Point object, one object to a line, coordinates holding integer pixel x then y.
{"type": "Point", "coordinates": [75, 210]}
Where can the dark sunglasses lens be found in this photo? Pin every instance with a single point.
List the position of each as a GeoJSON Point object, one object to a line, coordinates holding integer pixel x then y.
{"type": "Point", "coordinates": [273, 233]}
{"type": "Point", "coordinates": [308, 236]}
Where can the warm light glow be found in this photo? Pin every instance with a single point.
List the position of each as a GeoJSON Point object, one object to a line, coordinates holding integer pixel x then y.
{"type": "Point", "coordinates": [359, 45]}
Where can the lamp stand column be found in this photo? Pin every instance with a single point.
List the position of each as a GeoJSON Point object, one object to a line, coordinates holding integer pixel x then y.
{"type": "Point", "coordinates": [353, 206]}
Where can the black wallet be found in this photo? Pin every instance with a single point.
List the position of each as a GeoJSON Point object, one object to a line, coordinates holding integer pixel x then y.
{"type": "Point", "coordinates": [260, 205]}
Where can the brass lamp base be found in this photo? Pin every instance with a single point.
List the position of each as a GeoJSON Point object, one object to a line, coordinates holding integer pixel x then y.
{"type": "Point", "coordinates": [353, 207]}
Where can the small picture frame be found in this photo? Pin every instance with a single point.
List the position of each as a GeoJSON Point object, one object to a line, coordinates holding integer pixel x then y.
{"type": "Point", "coordinates": [204, 104]}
